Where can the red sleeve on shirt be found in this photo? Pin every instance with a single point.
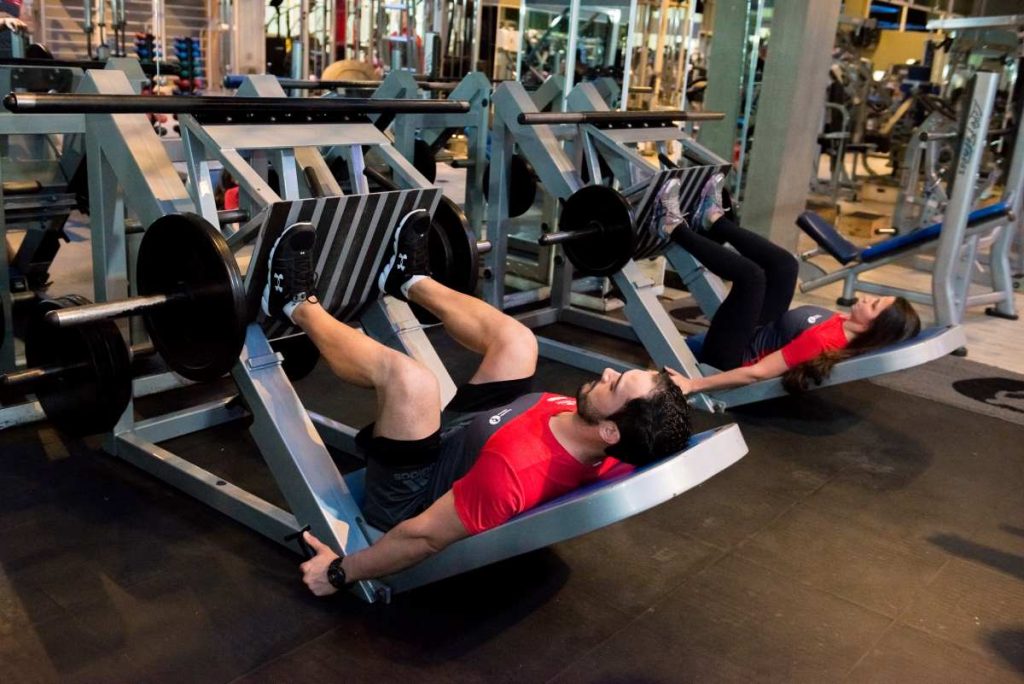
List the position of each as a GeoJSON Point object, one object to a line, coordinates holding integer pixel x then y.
{"type": "Point", "coordinates": [488, 495]}
{"type": "Point", "coordinates": [611, 469]}
{"type": "Point", "coordinates": [814, 341]}
{"type": "Point", "coordinates": [231, 198]}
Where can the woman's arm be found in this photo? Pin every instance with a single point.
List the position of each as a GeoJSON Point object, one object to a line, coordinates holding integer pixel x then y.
{"type": "Point", "coordinates": [771, 366]}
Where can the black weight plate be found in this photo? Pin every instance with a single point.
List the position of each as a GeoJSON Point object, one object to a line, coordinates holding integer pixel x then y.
{"type": "Point", "coordinates": [454, 260]}
{"type": "Point", "coordinates": [439, 248]}
{"type": "Point", "coordinates": [423, 159]}
{"type": "Point", "coordinates": [199, 339]}
{"type": "Point", "coordinates": [462, 267]}
{"type": "Point", "coordinates": [522, 190]}
{"type": "Point", "coordinates": [300, 355]}
{"type": "Point", "coordinates": [95, 388]}
{"type": "Point", "coordinates": [604, 207]}
{"type": "Point", "coordinates": [115, 358]}
{"type": "Point", "coordinates": [524, 186]}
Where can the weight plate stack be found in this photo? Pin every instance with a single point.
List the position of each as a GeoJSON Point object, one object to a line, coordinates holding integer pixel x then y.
{"type": "Point", "coordinates": [96, 385]}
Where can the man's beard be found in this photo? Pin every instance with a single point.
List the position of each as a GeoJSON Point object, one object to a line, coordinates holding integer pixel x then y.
{"type": "Point", "coordinates": [584, 408]}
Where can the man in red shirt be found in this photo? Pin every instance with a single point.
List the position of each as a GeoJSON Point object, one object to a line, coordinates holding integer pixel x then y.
{"type": "Point", "coordinates": [501, 448]}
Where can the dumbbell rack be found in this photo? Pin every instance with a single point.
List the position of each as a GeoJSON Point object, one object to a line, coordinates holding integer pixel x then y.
{"type": "Point", "coordinates": [192, 78]}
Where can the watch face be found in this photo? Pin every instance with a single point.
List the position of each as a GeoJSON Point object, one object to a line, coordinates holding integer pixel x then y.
{"type": "Point", "coordinates": [335, 574]}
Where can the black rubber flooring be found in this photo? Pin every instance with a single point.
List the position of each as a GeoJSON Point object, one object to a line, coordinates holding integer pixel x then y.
{"type": "Point", "coordinates": [868, 536]}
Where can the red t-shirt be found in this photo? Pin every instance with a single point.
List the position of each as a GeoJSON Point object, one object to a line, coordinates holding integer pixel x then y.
{"type": "Point", "coordinates": [817, 339]}
{"type": "Point", "coordinates": [521, 466]}
{"type": "Point", "coordinates": [231, 198]}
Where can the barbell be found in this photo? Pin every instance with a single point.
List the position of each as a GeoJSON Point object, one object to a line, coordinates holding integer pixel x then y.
{"type": "Point", "coordinates": [191, 297]}
{"type": "Point", "coordinates": [82, 375]}
{"type": "Point", "coordinates": [598, 231]}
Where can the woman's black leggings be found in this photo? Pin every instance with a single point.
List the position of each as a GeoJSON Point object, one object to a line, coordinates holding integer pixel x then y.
{"type": "Point", "coordinates": [763, 279]}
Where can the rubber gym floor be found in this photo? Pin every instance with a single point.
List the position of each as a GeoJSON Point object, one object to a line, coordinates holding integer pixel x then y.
{"type": "Point", "coordinates": [869, 535]}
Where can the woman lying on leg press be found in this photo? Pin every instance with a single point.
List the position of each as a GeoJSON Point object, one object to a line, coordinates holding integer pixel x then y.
{"type": "Point", "coordinates": [754, 335]}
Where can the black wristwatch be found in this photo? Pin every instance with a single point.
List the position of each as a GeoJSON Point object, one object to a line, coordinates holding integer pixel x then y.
{"type": "Point", "coordinates": [336, 574]}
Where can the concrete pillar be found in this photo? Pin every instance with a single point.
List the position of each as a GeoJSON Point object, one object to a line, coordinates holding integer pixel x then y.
{"type": "Point", "coordinates": [789, 114]}
{"type": "Point", "coordinates": [725, 74]}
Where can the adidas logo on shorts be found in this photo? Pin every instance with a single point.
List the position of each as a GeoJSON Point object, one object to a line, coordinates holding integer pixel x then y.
{"type": "Point", "coordinates": [496, 418]}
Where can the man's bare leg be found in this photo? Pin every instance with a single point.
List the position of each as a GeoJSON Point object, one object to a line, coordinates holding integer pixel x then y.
{"type": "Point", "coordinates": [509, 348]}
{"type": "Point", "coordinates": [408, 396]}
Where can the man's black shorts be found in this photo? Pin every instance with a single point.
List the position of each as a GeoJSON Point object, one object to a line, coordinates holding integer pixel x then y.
{"type": "Point", "coordinates": [404, 477]}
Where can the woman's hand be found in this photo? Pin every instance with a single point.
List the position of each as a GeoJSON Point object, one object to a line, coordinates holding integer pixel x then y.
{"type": "Point", "coordinates": [683, 383]}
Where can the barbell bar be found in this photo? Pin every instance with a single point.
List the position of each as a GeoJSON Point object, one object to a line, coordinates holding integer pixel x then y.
{"type": "Point", "coordinates": [144, 104]}
{"type": "Point", "coordinates": [102, 311]}
{"type": "Point", "coordinates": [615, 117]}
{"type": "Point", "coordinates": [235, 81]}
{"type": "Point", "coordinates": [558, 237]}
{"type": "Point", "coordinates": [929, 136]}
{"type": "Point", "coordinates": [27, 378]}
{"type": "Point", "coordinates": [148, 68]}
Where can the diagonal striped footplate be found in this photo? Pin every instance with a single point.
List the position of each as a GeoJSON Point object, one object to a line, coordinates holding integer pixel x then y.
{"type": "Point", "coordinates": [353, 237]}
{"type": "Point", "coordinates": [650, 241]}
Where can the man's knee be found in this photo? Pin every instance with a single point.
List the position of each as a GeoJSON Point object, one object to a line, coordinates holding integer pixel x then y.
{"type": "Point", "coordinates": [412, 381]}
{"type": "Point", "coordinates": [515, 338]}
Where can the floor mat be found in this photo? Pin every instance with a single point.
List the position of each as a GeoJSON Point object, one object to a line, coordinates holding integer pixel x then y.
{"type": "Point", "coordinates": [964, 384]}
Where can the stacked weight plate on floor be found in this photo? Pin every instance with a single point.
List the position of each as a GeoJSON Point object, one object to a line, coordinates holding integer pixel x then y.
{"type": "Point", "coordinates": [95, 386]}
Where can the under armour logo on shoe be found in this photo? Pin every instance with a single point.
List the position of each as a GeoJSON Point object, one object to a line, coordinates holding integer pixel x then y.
{"type": "Point", "coordinates": [401, 261]}
{"type": "Point", "coordinates": [278, 278]}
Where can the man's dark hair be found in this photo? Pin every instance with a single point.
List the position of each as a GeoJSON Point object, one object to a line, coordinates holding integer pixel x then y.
{"type": "Point", "coordinates": [652, 427]}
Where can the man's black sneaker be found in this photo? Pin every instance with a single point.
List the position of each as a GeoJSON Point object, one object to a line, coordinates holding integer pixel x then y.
{"type": "Point", "coordinates": [410, 256]}
{"type": "Point", "coordinates": [290, 278]}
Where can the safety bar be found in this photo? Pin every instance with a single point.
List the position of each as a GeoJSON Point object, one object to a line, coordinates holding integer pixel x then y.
{"type": "Point", "coordinates": [613, 117]}
{"type": "Point", "coordinates": [145, 104]}
{"type": "Point", "coordinates": [235, 81]}
{"type": "Point", "coordinates": [928, 136]}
